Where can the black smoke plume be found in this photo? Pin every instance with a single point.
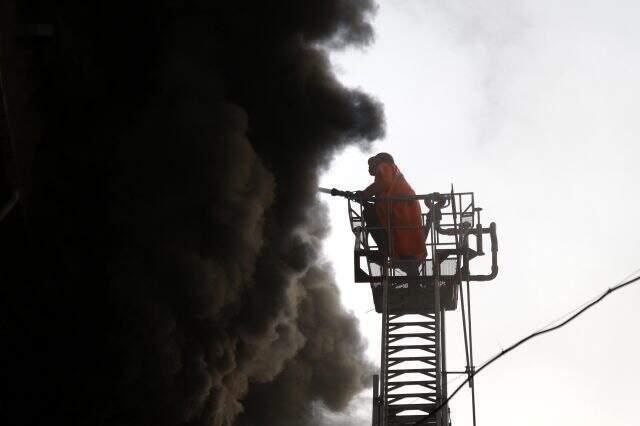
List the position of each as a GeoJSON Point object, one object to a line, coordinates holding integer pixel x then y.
{"type": "Point", "coordinates": [175, 213]}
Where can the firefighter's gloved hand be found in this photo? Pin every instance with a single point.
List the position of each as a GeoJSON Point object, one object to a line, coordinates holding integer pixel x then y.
{"type": "Point", "coordinates": [357, 196]}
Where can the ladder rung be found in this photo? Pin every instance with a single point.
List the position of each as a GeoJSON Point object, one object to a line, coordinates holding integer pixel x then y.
{"type": "Point", "coordinates": [426, 340]}
{"type": "Point", "coordinates": [424, 395]}
{"type": "Point", "coordinates": [401, 383]}
{"type": "Point", "coordinates": [425, 388]}
{"type": "Point", "coordinates": [429, 324]}
{"type": "Point", "coordinates": [422, 314]}
{"type": "Point", "coordinates": [398, 372]}
{"type": "Point", "coordinates": [403, 407]}
{"type": "Point", "coordinates": [403, 335]}
{"type": "Point", "coordinates": [411, 358]}
{"type": "Point", "coordinates": [425, 347]}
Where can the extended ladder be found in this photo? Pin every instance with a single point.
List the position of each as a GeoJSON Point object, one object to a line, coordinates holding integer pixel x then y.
{"type": "Point", "coordinates": [413, 297]}
{"type": "Point", "coordinates": [412, 374]}
{"type": "Point", "coordinates": [413, 365]}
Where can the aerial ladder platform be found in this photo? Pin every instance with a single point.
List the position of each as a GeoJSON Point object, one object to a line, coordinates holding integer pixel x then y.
{"type": "Point", "coordinates": [413, 295]}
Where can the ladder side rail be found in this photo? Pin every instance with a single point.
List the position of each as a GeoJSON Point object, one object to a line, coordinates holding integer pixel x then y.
{"type": "Point", "coordinates": [383, 352]}
{"type": "Point", "coordinates": [385, 317]}
{"type": "Point", "coordinates": [443, 373]}
{"type": "Point", "coordinates": [375, 412]}
{"type": "Point", "coordinates": [449, 241]}
{"type": "Point", "coordinates": [468, 369]}
{"type": "Point", "coordinates": [436, 291]}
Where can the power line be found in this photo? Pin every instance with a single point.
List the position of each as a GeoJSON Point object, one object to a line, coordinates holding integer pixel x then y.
{"type": "Point", "coordinates": [529, 337]}
{"type": "Point", "coordinates": [566, 315]}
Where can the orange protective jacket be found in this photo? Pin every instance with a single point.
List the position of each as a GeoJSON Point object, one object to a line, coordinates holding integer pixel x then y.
{"type": "Point", "coordinates": [406, 216]}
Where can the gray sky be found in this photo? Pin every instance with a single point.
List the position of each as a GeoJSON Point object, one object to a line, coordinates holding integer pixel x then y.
{"type": "Point", "coordinates": [534, 106]}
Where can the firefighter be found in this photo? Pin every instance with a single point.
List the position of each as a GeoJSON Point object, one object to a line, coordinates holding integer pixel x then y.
{"type": "Point", "coordinates": [408, 242]}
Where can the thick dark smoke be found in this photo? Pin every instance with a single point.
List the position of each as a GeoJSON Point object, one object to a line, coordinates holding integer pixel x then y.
{"type": "Point", "coordinates": [177, 217]}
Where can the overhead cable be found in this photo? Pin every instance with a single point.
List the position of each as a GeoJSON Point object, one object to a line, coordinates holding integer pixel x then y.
{"type": "Point", "coordinates": [529, 337]}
